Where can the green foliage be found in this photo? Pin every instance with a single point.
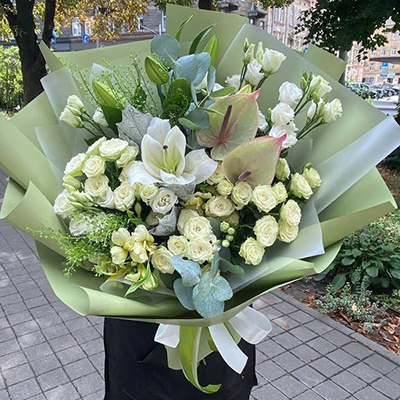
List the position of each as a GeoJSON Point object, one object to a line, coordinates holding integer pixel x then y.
{"type": "Point", "coordinates": [336, 24]}
{"type": "Point", "coordinates": [391, 300]}
{"type": "Point", "coordinates": [354, 303]}
{"type": "Point", "coordinates": [11, 90]}
{"type": "Point", "coordinates": [393, 160]}
{"type": "Point", "coordinates": [372, 253]}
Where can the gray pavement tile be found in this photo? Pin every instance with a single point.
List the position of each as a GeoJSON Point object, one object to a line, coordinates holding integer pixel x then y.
{"type": "Point", "coordinates": [318, 327]}
{"type": "Point", "coordinates": [8, 347]}
{"type": "Point", "coordinates": [342, 358]}
{"type": "Point", "coordinates": [89, 384]}
{"type": "Point", "coordinates": [289, 386]}
{"type": "Point", "coordinates": [98, 361]}
{"type": "Point", "coordinates": [321, 345]}
{"type": "Point", "coordinates": [268, 392]}
{"type": "Point", "coordinates": [68, 314]}
{"type": "Point", "coordinates": [357, 350]}
{"type": "Point", "coordinates": [395, 375]}
{"type": "Point", "coordinates": [270, 348]}
{"type": "Point", "coordinates": [93, 347]}
{"type": "Point", "coordinates": [369, 393]}
{"type": "Point", "coordinates": [6, 334]}
{"type": "Point", "coordinates": [70, 355]}
{"type": "Point", "coordinates": [330, 391]}
{"type": "Point", "coordinates": [287, 340]}
{"type": "Point", "coordinates": [259, 304]}
{"type": "Point", "coordinates": [303, 334]}
{"type": "Point", "coordinates": [78, 324]}
{"type": "Point", "coordinates": [26, 327]}
{"type": "Point", "coordinates": [24, 390]}
{"type": "Point", "coordinates": [79, 368]}
{"type": "Point", "coordinates": [42, 310]}
{"type": "Point", "coordinates": [31, 339]}
{"type": "Point", "coordinates": [285, 307]}
{"type": "Point", "coordinates": [52, 379]}
{"type": "Point", "coordinates": [380, 363]}
{"type": "Point", "coordinates": [270, 371]}
{"type": "Point", "coordinates": [309, 395]}
{"type": "Point", "coordinates": [285, 322]}
{"type": "Point", "coordinates": [62, 342]}
{"type": "Point", "coordinates": [40, 350]}
{"type": "Point", "coordinates": [86, 335]}
{"type": "Point", "coordinates": [17, 318]}
{"type": "Point", "coordinates": [31, 294]}
{"type": "Point", "coordinates": [325, 366]}
{"type": "Point", "coordinates": [260, 357]}
{"type": "Point", "coordinates": [10, 299]}
{"type": "Point", "coordinates": [308, 376]}
{"type": "Point", "coordinates": [276, 330]}
{"type": "Point", "coordinates": [4, 395]}
{"type": "Point", "coordinates": [365, 372]}
{"type": "Point", "coordinates": [36, 302]}
{"type": "Point", "coordinates": [271, 312]}
{"type": "Point", "coordinates": [14, 308]}
{"type": "Point", "coordinates": [55, 331]}
{"type": "Point", "coordinates": [260, 380]}
{"type": "Point", "coordinates": [305, 353]}
{"type": "Point", "coordinates": [64, 392]}
{"type": "Point", "coordinates": [45, 364]}
{"type": "Point", "coordinates": [387, 387]}
{"type": "Point", "coordinates": [17, 374]}
{"type": "Point", "coordinates": [96, 396]}
{"type": "Point", "coordinates": [12, 360]}
{"type": "Point", "coordinates": [337, 338]}
{"type": "Point", "coordinates": [271, 299]}
{"type": "Point", "coordinates": [49, 320]}
{"type": "Point", "coordinates": [288, 361]}
{"type": "Point", "coordinates": [4, 323]}
{"type": "Point", "coordinates": [349, 381]}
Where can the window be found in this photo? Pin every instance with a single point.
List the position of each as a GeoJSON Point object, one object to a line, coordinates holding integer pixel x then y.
{"type": "Point", "coordinates": [282, 15]}
{"type": "Point", "coordinates": [251, 21]}
{"type": "Point", "coordinates": [393, 51]}
{"type": "Point", "coordinates": [140, 22]}
{"type": "Point", "coordinates": [76, 27]}
{"type": "Point", "coordinates": [383, 52]}
{"type": "Point", "coordinates": [372, 67]}
{"type": "Point", "coordinates": [276, 14]}
{"type": "Point", "coordinates": [292, 15]}
{"type": "Point", "coordinates": [396, 35]}
{"type": "Point", "coordinates": [88, 28]}
{"type": "Point", "coordinates": [374, 52]}
{"type": "Point", "coordinates": [163, 21]}
{"type": "Point", "coordinates": [262, 24]}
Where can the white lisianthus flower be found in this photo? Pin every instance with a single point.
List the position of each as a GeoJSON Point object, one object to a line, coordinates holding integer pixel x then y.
{"type": "Point", "coordinates": [68, 116]}
{"type": "Point", "coordinates": [80, 199]}
{"type": "Point", "coordinates": [282, 114]}
{"type": "Point", "coordinates": [94, 149]}
{"type": "Point", "coordinates": [241, 194]}
{"type": "Point", "coordinates": [97, 186]}
{"type": "Point", "coordinates": [177, 245]}
{"type": "Point", "coordinates": [71, 184]}
{"type": "Point", "coordinates": [291, 213]}
{"type": "Point", "coordinates": [217, 176]}
{"type": "Point", "coordinates": [184, 217]}
{"type": "Point", "coordinates": [224, 188]}
{"type": "Point", "coordinates": [99, 118]}
{"type": "Point", "coordinates": [199, 227]}
{"type": "Point", "coordinates": [163, 202]}
{"type": "Point", "coordinates": [128, 155]}
{"type": "Point", "coordinates": [94, 166]}
{"type": "Point", "coordinates": [124, 197]}
{"type": "Point", "coordinates": [278, 131]}
{"type": "Point", "coordinates": [312, 177]}
{"type": "Point", "coordinates": [75, 103]}
{"type": "Point", "coordinates": [287, 233]}
{"type": "Point", "coordinates": [124, 175]}
{"type": "Point", "coordinates": [251, 251]}
{"type": "Point", "coordinates": [233, 81]}
{"type": "Point", "coordinates": [264, 198]}
{"type": "Point", "coordinates": [272, 61]}
{"type": "Point", "coordinates": [75, 165]}
{"type": "Point", "coordinates": [299, 186]}
{"type": "Point", "coordinates": [319, 86]}
{"type": "Point", "coordinates": [266, 230]}
{"type": "Point", "coordinates": [262, 122]}
{"type": "Point", "coordinates": [199, 250]}
{"type": "Point", "coordinates": [290, 94]}
{"type": "Point", "coordinates": [332, 111]}
{"type": "Point", "coordinates": [143, 244]}
{"type": "Point", "coordinates": [112, 149]}
{"type": "Point", "coordinates": [62, 205]}
{"type": "Point", "coordinates": [282, 170]}
{"type": "Point", "coordinates": [80, 227]}
{"type": "Point", "coordinates": [280, 192]}
{"type": "Point", "coordinates": [161, 260]}
{"type": "Point", "coordinates": [219, 206]}
{"type": "Point", "coordinates": [254, 73]}
{"type": "Point", "coordinates": [312, 110]}
{"type": "Point", "coordinates": [148, 192]}
{"type": "Point", "coordinates": [107, 200]}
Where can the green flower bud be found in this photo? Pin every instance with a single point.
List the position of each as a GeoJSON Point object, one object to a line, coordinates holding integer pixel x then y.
{"type": "Point", "coordinates": [231, 231]}
{"type": "Point", "coordinates": [138, 209]}
{"type": "Point", "coordinates": [156, 70]}
{"type": "Point", "coordinates": [105, 96]}
{"type": "Point", "coordinates": [80, 198]}
{"type": "Point", "coordinates": [71, 184]}
{"type": "Point", "coordinates": [246, 45]}
{"type": "Point", "coordinates": [224, 226]}
{"type": "Point", "coordinates": [229, 238]}
{"type": "Point", "coordinates": [260, 52]}
{"type": "Point", "coordinates": [249, 54]}
{"type": "Point", "coordinates": [151, 284]}
{"type": "Point", "coordinates": [226, 243]}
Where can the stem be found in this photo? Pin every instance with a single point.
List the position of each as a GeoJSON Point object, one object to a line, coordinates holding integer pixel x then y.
{"type": "Point", "coordinates": [242, 75]}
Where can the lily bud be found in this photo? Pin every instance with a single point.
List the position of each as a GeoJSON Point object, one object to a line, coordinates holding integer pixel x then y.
{"type": "Point", "coordinates": [156, 70]}
{"type": "Point", "coordinates": [80, 198]}
{"type": "Point", "coordinates": [246, 45]}
{"type": "Point", "coordinates": [107, 97]}
{"type": "Point", "coordinates": [151, 284]}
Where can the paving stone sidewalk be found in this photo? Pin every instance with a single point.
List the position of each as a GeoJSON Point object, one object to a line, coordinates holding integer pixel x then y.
{"type": "Point", "coordinates": [49, 352]}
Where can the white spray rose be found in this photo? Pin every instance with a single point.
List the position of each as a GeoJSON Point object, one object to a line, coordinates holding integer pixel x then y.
{"type": "Point", "coordinates": [241, 194]}
{"type": "Point", "coordinates": [224, 188]}
{"type": "Point", "coordinates": [272, 61]}
{"type": "Point", "coordinates": [252, 251]}
{"type": "Point", "coordinates": [278, 131]}
{"type": "Point", "coordinates": [99, 118]}
{"type": "Point", "coordinates": [97, 187]}
{"type": "Point", "coordinates": [287, 233]}
{"type": "Point", "coordinates": [233, 81]}
{"type": "Point", "coordinates": [300, 187]}
{"type": "Point", "coordinates": [280, 192]}
{"type": "Point", "coordinates": [124, 197]}
{"type": "Point", "coordinates": [199, 250]}
{"type": "Point", "coordinates": [163, 202]}
{"type": "Point", "coordinates": [312, 177]}
{"type": "Point", "coordinates": [123, 176]}
{"type": "Point", "coordinates": [219, 206]}
{"type": "Point", "coordinates": [112, 149]}
{"type": "Point", "coordinates": [233, 219]}
{"type": "Point", "coordinates": [107, 200]}
{"type": "Point", "coordinates": [332, 111]}
{"type": "Point", "coordinates": [184, 216]}
{"type": "Point", "coordinates": [262, 122]}
{"type": "Point", "coordinates": [68, 116]}
{"type": "Point", "coordinates": [198, 227]}
{"type": "Point", "coordinates": [290, 94]}
{"type": "Point", "coordinates": [94, 166]}
{"type": "Point", "coordinates": [253, 74]}
{"type": "Point", "coordinates": [282, 114]}
{"type": "Point", "coordinates": [291, 213]}
{"type": "Point", "coordinates": [177, 245]}
{"type": "Point", "coordinates": [75, 165]}
{"type": "Point", "coordinates": [94, 149]}
{"type": "Point", "coordinates": [266, 230]}
{"type": "Point", "coordinates": [217, 177]}
{"type": "Point", "coordinates": [62, 205]}
{"type": "Point", "coordinates": [161, 260]}
{"type": "Point", "coordinates": [128, 155]}
{"type": "Point", "coordinates": [148, 192]}
{"type": "Point", "coordinates": [282, 170]}
{"type": "Point", "coordinates": [264, 198]}
{"type": "Point", "coordinates": [319, 86]}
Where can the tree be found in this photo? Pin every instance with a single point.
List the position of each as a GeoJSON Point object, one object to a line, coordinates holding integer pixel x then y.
{"type": "Point", "coordinates": [336, 24]}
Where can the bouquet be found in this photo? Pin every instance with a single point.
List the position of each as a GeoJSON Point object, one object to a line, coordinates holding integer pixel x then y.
{"type": "Point", "coordinates": [177, 180]}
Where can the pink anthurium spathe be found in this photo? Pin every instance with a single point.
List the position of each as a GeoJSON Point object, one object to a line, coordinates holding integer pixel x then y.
{"type": "Point", "coordinates": [235, 121]}
{"type": "Point", "coordinates": [254, 161]}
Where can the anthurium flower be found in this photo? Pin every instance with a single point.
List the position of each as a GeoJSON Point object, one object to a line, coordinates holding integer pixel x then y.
{"type": "Point", "coordinates": [164, 160]}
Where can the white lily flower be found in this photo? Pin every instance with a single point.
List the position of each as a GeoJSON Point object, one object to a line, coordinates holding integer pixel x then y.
{"type": "Point", "coordinates": [164, 160]}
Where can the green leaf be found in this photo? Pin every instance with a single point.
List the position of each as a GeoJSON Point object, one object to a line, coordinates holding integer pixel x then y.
{"type": "Point", "coordinates": [112, 115]}
{"type": "Point", "coordinates": [226, 91]}
{"type": "Point", "coordinates": [338, 281]}
{"type": "Point", "coordinates": [226, 266]}
{"type": "Point", "coordinates": [187, 123]}
{"type": "Point", "coordinates": [348, 261]}
{"type": "Point", "coordinates": [356, 253]}
{"type": "Point", "coordinates": [211, 79]}
{"type": "Point", "coordinates": [395, 273]}
{"type": "Point", "coordinates": [372, 272]}
{"type": "Point", "coordinates": [140, 282]}
{"type": "Point", "coordinates": [355, 277]}
{"type": "Point", "coordinates": [180, 29]}
{"type": "Point", "coordinates": [220, 289]}
{"type": "Point", "coordinates": [190, 271]}
{"type": "Point", "coordinates": [200, 118]}
{"type": "Point", "coordinates": [184, 294]}
{"type": "Point", "coordinates": [212, 49]}
{"type": "Point", "coordinates": [384, 281]}
{"type": "Point", "coordinates": [199, 38]}
{"type": "Point", "coordinates": [178, 98]}
{"type": "Point", "coordinates": [167, 49]}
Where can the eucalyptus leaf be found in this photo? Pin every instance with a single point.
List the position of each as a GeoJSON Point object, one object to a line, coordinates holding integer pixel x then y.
{"type": "Point", "coordinates": [204, 285]}
{"type": "Point", "coordinates": [190, 271]}
{"type": "Point", "coordinates": [207, 307]}
{"type": "Point", "coordinates": [215, 225]}
{"type": "Point", "coordinates": [184, 294]}
{"type": "Point", "coordinates": [187, 123]}
{"type": "Point", "coordinates": [167, 49]}
{"type": "Point", "coordinates": [211, 79]}
{"type": "Point", "coordinates": [226, 266]}
{"type": "Point", "coordinates": [220, 289]}
{"type": "Point", "coordinates": [199, 118]}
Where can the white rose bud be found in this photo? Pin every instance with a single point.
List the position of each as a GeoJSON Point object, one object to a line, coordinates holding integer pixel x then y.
{"type": "Point", "coordinates": [287, 233]}
{"type": "Point", "coordinates": [177, 245]}
{"type": "Point", "coordinates": [252, 251]}
{"type": "Point", "coordinates": [282, 170]}
{"type": "Point", "coordinates": [127, 156]}
{"type": "Point", "coordinates": [94, 166]}
{"type": "Point", "coordinates": [291, 213]}
{"type": "Point", "coordinates": [249, 54]}
{"type": "Point", "coordinates": [124, 197]}
{"type": "Point", "coordinates": [300, 187]}
{"type": "Point", "coordinates": [184, 216]}
{"type": "Point", "coordinates": [99, 118]}
{"type": "Point", "coordinates": [199, 250]}
{"type": "Point", "coordinates": [280, 192]}
{"type": "Point", "coordinates": [219, 206]}
{"type": "Point", "coordinates": [198, 227]}
{"type": "Point", "coordinates": [253, 74]}
{"type": "Point", "coordinates": [266, 230]}
{"type": "Point", "coordinates": [332, 111]}
{"type": "Point", "coordinates": [94, 149]}
{"type": "Point", "coordinates": [272, 61]}
{"type": "Point", "coordinates": [163, 202]}
{"type": "Point", "coordinates": [107, 200]}
{"type": "Point", "coordinates": [148, 192]}
{"type": "Point", "coordinates": [62, 205]}
{"type": "Point", "coordinates": [75, 103]}
{"type": "Point", "coordinates": [112, 149]}
{"type": "Point", "coordinates": [282, 114]}
{"type": "Point", "coordinates": [290, 94]}
{"type": "Point", "coordinates": [312, 177]}
{"type": "Point", "coordinates": [97, 187]}
{"type": "Point", "coordinates": [264, 198]}
{"type": "Point", "coordinates": [224, 188]}
{"type": "Point", "coordinates": [71, 184]}
{"type": "Point", "coordinates": [161, 260]}
{"type": "Point", "coordinates": [75, 165]}
{"type": "Point", "coordinates": [241, 194]}
{"type": "Point", "coordinates": [319, 86]}
{"type": "Point", "coordinates": [217, 176]}
{"type": "Point", "coordinates": [68, 116]}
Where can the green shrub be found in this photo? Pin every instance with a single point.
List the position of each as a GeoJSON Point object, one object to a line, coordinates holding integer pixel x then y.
{"type": "Point", "coordinates": [391, 300]}
{"type": "Point", "coordinates": [372, 253]}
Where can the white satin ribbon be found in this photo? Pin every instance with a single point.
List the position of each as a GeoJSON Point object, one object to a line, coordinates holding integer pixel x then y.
{"type": "Point", "coordinates": [250, 324]}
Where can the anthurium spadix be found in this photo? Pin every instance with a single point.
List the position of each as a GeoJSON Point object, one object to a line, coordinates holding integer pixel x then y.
{"type": "Point", "coordinates": [254, 161]}
{"type": "Point", "coordinates": [234, 122]}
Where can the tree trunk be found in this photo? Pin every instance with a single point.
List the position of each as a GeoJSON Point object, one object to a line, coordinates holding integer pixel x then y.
{"type": "Point", "coordinates": [343, 55]}
{"type": "Point", "coordinates": [206, 4]}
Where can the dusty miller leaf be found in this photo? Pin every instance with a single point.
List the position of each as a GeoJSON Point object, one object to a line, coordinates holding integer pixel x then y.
{"type": "Point", "coordinates": [167, 224]}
